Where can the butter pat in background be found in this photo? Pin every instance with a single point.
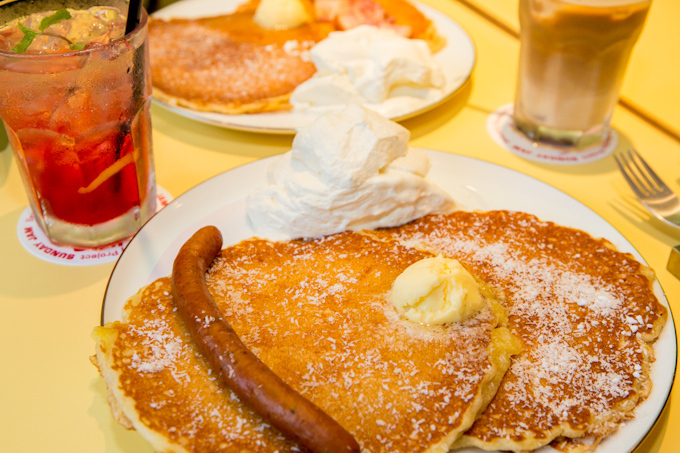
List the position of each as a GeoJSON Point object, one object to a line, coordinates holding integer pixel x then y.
{"type": "Point", "coordinates": [283, 14]}
{"type": "Point", "coordinates": [436, 291]}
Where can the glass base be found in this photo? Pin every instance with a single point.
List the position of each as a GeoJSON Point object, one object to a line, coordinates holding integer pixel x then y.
{"type": "Point", "coordinates": [562, 139]}
{"type": "Point", "coordinates": [64, 233]}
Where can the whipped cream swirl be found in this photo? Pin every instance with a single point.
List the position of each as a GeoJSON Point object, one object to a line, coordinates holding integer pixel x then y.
{"type": "Point", "coordinates": [351, 170]}
{"type": "Point", "coordinates": [371, 66]}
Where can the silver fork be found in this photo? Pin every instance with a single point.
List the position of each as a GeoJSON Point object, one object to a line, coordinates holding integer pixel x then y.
{"type": "Point", "coordinates": [649, 188]}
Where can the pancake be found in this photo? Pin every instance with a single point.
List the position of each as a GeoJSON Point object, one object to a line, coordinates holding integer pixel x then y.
{"type": "Point", "coordinates": [229, 64]}
{"type": "Point", "coordinates": [317, 313]}
{"type": "Point", "coordinates": [585, 313]}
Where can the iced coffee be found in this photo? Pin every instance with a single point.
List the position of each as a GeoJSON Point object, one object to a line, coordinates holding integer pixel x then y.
{"type": "Point", "coordinates": [573, 58]}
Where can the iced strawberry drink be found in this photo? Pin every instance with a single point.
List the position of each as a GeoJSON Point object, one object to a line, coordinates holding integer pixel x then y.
{"type": "Point", "coordinates": [75, 104]}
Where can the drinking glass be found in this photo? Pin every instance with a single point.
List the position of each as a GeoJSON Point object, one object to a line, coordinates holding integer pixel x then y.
{"type": "Point", "coordinates": [573, 57]}
{"type": "Point", "coordinates": [79, 125]}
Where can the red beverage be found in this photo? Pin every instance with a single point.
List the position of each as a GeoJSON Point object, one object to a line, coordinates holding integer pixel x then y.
{"type": "Point", "coordinates": [79, 124]}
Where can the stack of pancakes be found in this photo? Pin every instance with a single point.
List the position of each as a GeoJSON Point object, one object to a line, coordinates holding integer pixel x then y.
{"type": "Point", "coordinates": [317, 314]}
{"type": "Point", "coordinates": [580, 320]}
{"type": "Point", "coordinates": [229, 64]}
{"type": "Point", "coordinates": [586, 316]}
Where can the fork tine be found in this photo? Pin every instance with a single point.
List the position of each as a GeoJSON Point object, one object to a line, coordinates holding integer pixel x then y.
{"type": "Point", "coordinates": [649, 173]}
{"type": "Point", "coordinates": [652, 192]}
{"type": "Point", "coordinates": [625, 170]}
{"type": "Point", "coordinates": [645, 184]}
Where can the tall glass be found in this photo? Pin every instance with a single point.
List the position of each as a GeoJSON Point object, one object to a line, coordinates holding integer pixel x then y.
{"type": "Point", "coordinates": [80, 129]}
{"type": "Point", "coordinates": [573, 57]}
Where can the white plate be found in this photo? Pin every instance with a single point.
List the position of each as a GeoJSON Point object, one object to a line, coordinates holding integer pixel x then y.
{"type": "Point", "coordinates": [473, 183]}
{"type": "Point", "coordinates": [457, 60]}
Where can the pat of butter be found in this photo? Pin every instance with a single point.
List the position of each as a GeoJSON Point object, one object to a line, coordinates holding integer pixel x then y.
{"type": "Point", "coordinates": [436, 291]}
{"type": "Point", "coordinates": [282, 14]}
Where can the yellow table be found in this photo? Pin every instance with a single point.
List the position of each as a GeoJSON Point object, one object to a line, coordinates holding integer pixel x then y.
{"type": "Point", "coordinates": [51, 398]}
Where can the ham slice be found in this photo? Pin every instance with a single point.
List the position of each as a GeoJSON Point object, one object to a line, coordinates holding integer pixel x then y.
{"type": "Point", "coordinates": [348, 14]}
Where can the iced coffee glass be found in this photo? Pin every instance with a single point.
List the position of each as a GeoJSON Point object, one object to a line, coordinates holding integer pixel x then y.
{"type": "Point", "coordinates": [75, 104]}
{"type": "Point", "coordinates": [573, 58]}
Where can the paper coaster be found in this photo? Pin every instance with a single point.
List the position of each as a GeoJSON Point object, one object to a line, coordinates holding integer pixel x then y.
{"type": "Point", "coordinates": [34, 240]}
{"type": "Point", "coordinates": [500, 127]}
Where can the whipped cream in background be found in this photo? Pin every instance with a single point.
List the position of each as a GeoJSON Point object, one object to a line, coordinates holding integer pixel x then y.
{"type": "Point", "coordinates": [374, 67]}
{"type": "Point", "coordinates": [351, 170]}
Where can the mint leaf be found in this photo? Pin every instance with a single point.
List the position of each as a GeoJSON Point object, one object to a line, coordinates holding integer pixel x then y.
{"type": "Point", "coordinates": [29, 36]}
{"type": "Point", "coordinates": [58, 16]}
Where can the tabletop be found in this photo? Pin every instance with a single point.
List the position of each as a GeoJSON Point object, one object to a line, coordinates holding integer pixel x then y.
{"type": "Point", "coordinates": [52, 398]}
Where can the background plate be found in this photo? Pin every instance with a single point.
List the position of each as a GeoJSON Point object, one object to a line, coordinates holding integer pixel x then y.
{"type": "Point", "coordinates": [474, 184]}
{"type": "Point", "coordinates": [457, 60]}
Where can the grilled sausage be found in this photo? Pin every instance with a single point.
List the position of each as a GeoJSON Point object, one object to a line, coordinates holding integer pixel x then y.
{"type": "Point", "coordinates": [246, 375]}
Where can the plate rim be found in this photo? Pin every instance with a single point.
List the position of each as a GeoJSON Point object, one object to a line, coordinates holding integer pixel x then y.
{"type": "Point", "coordinates": [214, 118]}
{"type": "Point", "coordinates": [265, 162]}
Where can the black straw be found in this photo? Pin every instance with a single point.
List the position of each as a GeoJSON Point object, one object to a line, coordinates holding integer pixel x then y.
{"type": "Point", "coordinates": [134, 15]}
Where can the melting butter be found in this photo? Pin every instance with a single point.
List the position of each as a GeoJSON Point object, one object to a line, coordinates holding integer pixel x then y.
{"type": "Point", "coordinates": [436, 291]}
{"type": "Point", "coordinates": [283, 14]}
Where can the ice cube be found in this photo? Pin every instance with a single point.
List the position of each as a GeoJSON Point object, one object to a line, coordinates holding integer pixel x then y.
{"type": "Point", "coordinates": [82, 110]}
{"type": "Point", "coordinates": [52, 166]}
{"type": "Point", "coordinates": [9, 37]}
{"type": "Point", "coordinates": [98, 148]}
{"type": "Point", "coordinates": [44, 44]}
{"type": "Point", "coordinates": [44, 148]}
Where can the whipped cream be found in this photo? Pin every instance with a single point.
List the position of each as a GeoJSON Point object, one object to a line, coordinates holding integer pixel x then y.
{"type": "Point", "coordinates": [351, 170]}
{"type": "Point", "coordinates": [374, 67]}
{"type": "Point", "coordinates": [436, 291]}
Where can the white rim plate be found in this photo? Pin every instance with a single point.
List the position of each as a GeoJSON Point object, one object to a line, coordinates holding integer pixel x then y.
{"type": "Point", "coordinates": [457, 60]}
{"type": "Point", "coordinates": [473, 183]}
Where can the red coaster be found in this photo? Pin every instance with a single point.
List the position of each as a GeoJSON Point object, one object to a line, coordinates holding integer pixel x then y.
{"type": "Point", "coordinates": [34, 240]}
{"type": "Point", "coordinates": [500, 127]}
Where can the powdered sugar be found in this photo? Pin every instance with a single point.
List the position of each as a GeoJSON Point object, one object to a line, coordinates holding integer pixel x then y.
{"type": "Point", "coordinates": [577, 306]}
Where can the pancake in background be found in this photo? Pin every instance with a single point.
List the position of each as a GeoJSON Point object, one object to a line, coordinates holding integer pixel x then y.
{"type": "Point", "coordinates": [585, 313]}
{"type": "Point", "coordinates": [229, 64]}
{"type": "Point", "coordinates": [317, 313]}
